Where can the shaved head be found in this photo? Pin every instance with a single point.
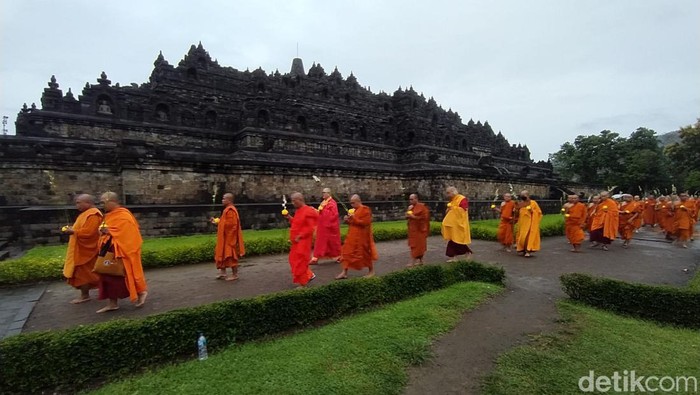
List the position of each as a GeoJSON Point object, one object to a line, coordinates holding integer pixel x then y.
{"type": "Point", "coordinates": [110, 197]}
{"type": "Point", "coordinates": [110, 201]}
{"type": "Point", "coordinates": [227, 199]}
{"type": "Point", "coordinates": [84, 202]}
{"type": "Point", "coordinates": [298, 199]}
{"type": "Point", "coordinates": [84, 197]}
{"type": "Point", "coordinates": [355, 198]}
{"type": "Point", "coordinates": [604, 195]}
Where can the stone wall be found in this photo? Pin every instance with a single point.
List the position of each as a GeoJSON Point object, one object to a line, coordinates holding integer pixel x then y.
{"type": "Point", "coordinates": [41, 225]}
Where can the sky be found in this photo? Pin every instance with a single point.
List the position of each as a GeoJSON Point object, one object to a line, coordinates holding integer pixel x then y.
{"type": "Point", "coordinates": [541, 72]}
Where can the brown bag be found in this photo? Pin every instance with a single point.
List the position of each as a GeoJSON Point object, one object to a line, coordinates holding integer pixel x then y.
{"type": "Point", "coordinates": [106, 263]}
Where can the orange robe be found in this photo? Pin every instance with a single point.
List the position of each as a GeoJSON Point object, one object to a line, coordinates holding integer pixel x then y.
{"type": "Point", "coordinates": [529, 218]}
{"type": "Point", "coordinates": [359, 250]}
{"type": "Point", "coordinates": [83, 247]}
{"type": "Point", "coordinates": [637, 222]}
{"type": "Point", "coordinates": [576, 217]}
{"type": "Point", "coordinates": [606, 217]}
{"type": "Point", "coordinates": [684, 212]}
{"type": "Point", "coordinates": [664, 216]}
{"type": "Point", "coordinates": [627, 211]}
{"type": "Point", "coordinates": [650, 212]}
{"type": "Point", "coordinates": [229, 239]}
{"type": "Point", "coordinates": [504, 235]}
{"type": "Point", "coordinates": [126, 240]}
{"type": "Point", "coordinates": [303, 225]}
{"type": "Point", "coordinates": [418, 230]}
{"type": "Point", "coordinates": [590, 215]}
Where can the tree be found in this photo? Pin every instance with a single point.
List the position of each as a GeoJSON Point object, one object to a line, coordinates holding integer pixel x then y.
{"type": "Point", "coordinates": [685, 157]}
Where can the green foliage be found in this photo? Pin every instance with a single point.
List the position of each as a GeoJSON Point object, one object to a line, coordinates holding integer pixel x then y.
{"type": "Point", "coordinates": [657, 303]}
{"type": "Point", "coordinates": [69, 359]}
{"type": "Point", "coordinates": [363, 354]}
{"type": "Point", "coordinates": [592, 339]}
{"type": "Point", "coordinates": [607, 159]}
{"type": "Point", "coordinates": [685, 158]}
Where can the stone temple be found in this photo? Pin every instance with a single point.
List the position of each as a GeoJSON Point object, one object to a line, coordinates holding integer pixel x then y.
{"type": "Point", "coordinates": [197, 129]}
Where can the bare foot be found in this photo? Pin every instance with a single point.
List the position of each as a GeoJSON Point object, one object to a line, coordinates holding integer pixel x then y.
{"type": "Point", "coordinates": [341, 276]}
{"type": "Point", "coordinates": [418, 264]}
{"type": "Point", "coordinates": [509, 250]}
{"type": "Point", "coordinates": [313, 261]}
{"type": "Point", "coordinates": [451, 260]}
{"type": "Point", "coordinates": [527, 255]}
{"type": "Point", "coordinates": [369, 275]}
{"type": "Point", "coordinates": [469, 257]}
{"type": "Point", "coordinates": [232, 278]}
{"type": "Point", "coordinates": [221, 277]}
{"type": "Point", "coordinates": [573, 250]}
{"type": "Point", "coordinates": [410, 264]}
{"type": "Point", "coordinates": [106, 309]}
{"type": "Point", "coordinates": [80, 300]}
{"type": "Point", "coordinates": [142, 299]}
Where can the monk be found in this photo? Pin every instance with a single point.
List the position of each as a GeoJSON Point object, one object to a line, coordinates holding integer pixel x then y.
{"type": "Point", "coordinates": [418, 216]}
{"type": "Point", "coordinates": [684, 212]}
{"type": "Point", "coordinates": [506, 210]}
{"type": "Point", "coordinates": [641, 206]}
{"type": "Point", "coordinates": [229, 240]}
{"type": "Point", "coordinates": [592, 206]}
{"type": "Point", "coordinates": [575, 214]}
{"type": "Point", "coordinates": [664, 216]}
{"type": "Point", "coordinates": [83, 247]}
{"type": "Point", "coordinates": [358, 251]}
{"type": "Point", "coordinates": [122, 228]}
{"type": "Point", "coordinates": [328, 231]}
{"type": "Point", "coordinates": [455, 225]}
{"type": "Point", "coordinates": [301, 235]}
{"type": "Point", "coordinates": [649, 216]}
{"type": "Point", "coordinates": [629, 211]}
{"type": "Point", "coordinates": [529, 218]}
{"type": "Point", "coordinates": [605, 222]}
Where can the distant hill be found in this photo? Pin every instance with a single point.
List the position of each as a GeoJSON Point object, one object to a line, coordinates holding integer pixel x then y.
{"type": "Point", "coordinates": [669, 138]}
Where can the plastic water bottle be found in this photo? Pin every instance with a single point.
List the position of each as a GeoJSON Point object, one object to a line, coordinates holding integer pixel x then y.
{"type": "Point", "coordinates": [202, 347]}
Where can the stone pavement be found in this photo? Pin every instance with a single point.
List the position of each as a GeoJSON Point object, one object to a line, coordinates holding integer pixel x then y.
{"type": "Point", "coordinates": [15, 306]}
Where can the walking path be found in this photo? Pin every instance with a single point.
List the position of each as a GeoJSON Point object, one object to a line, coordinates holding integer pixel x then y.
{"type": "Point", "coordinates": [462, 357]}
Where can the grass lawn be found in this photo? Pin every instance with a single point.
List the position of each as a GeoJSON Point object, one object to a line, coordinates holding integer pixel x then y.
{"type": "Point", "coordinates": [363, 354]}
{"type": "Point", "coordinates": [595, 340]}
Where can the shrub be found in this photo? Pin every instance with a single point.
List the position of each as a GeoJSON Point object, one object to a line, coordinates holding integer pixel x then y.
{"type": "Point", "coordinates": [663, 304]}
{"type": "Point", "coordinates": [73, 358]}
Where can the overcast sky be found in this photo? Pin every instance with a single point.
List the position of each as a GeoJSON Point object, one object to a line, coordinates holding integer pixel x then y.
{"type": "Point", "coordinates": [542, 72]}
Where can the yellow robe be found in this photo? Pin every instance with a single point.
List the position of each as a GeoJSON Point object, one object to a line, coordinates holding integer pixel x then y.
{"type": "Point", "coordinates": [455, 225]}
{"type": "Point", "coordinates": [529, 218]}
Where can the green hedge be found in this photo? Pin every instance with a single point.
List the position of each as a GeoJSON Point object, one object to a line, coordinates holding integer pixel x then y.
{"type": "Point", "coordinates": [68, 360]}
{"type": "Point", "coordinates": [677, 306]}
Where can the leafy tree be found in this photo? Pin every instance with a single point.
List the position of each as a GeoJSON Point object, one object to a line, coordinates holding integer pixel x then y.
{"type": "Point", "coordinates": [685, 157]}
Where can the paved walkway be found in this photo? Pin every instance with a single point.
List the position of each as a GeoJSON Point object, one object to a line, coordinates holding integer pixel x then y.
{"type": "Point", "coordinates": [462, 357]}
{"type": "Point", "coordinates": [15, 306]}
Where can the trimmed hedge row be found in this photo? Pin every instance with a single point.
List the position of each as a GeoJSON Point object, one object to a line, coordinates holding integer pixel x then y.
{"type": "Point", "coordinates": [677, 306]}
{"type": "Point", "coordinates": [71, 359]}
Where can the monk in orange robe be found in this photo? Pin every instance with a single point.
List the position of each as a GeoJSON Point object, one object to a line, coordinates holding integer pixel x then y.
{"type": "Point", "coordinates": [592, 206]}
{"type": "Point", "coordinates": [506, 210]}
{"type": "Point", "coordinates": [641, 206]}
{"type": "Point", "coordinates": [358, 251]}
{"type": "Point", "coordinates": [664, 216]}
{"type": "Point", "coordinates": [327, 243]}
{"type": "Point", "coordinates": [229, 239]}
{"type": "Point", "coordinates": [629, 211]}
{"type": "Point", "coordinates": [455, 226]}
{"type": "Point", "coordinates": [418, 216]}
{"type": "Point", "coordinates": [575, 214]}
{"type": "Point", "coordinates": [122, 228]}
{"type": "Point", "coordinates": [529, 218]}
{"type": "Point", "coordinates": [684, 212]}
{"type": "Point", "coordinates": [83, 247]}
{"type": "Point", "coordinates": [605, 222]}
{"type": "Point", "coordinates": [301, 235]}
{"type": "Point", "coordinates": [649, 216]}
